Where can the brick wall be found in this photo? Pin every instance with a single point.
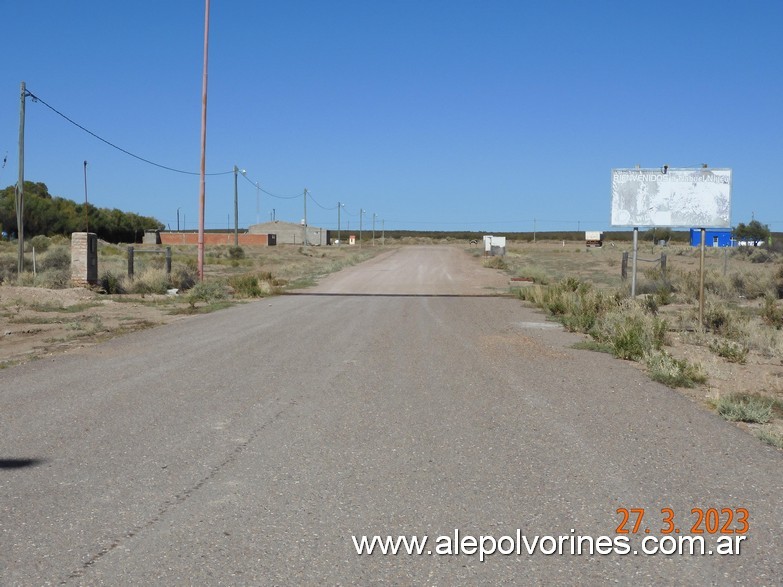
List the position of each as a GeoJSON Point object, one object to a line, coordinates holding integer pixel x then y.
{"type": "Point", "coordinates": [213, 238]}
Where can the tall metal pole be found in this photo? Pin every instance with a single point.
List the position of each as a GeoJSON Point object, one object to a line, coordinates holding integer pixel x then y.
{"type": "Point", "coordinates": [338, 223]}
{"type": "Point", "coordinates": [86, 212]}
{"type": "Point", "coordinates": [20, 186]}
{"type": "Point", "coordinates": [258, 203]}
{"type": "Point", "coordinates": [236, 208]}
{"type": "Point", "coordinates": [177, 219]}
{"type": "Point", "coordinates": [373, 229]}
{"type": "Point", "coordinates": [383, 232]}
{"type": "Point", "coordinates": [202, 183]}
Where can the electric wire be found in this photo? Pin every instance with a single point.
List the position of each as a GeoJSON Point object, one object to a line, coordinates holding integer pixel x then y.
{"type": "Point", "coordinates": [318, 204]}
{"type": "Point", "coordinates": [76, 124]}
{"type": "Point", "coordinates": [258, 186]}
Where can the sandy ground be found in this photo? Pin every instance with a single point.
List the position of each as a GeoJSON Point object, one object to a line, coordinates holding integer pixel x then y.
{"type": "Point", "coordinates": [37, 322]}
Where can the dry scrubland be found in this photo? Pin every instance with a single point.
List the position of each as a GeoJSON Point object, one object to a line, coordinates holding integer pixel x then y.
{"type": "Point", "coordinates": [733, 362]}
{"type": "Point", "coordinates": [41, 314]}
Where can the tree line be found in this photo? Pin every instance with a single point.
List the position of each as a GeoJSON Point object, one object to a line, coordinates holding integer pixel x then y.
{"type": "Point", "coordinates": [50, 215]}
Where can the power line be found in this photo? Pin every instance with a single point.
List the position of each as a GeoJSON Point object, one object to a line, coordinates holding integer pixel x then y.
{"type": "Point", "coordinates": [76, 124]}
{"type": "Point", "coordinates": [257, 185]}
{"type": "Point", "coordinates": [318, 204]}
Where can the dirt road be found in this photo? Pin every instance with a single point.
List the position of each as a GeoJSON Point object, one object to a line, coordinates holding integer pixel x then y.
{"type": "Point", "coordinates": [256, 446]}
{"type": "Point", "coordinates": [412, 270]}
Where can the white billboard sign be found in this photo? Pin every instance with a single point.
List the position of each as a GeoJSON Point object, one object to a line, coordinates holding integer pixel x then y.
{"type": "Point", "coordinates": [671, 197]}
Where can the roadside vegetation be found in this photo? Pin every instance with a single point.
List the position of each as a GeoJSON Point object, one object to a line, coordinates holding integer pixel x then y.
{"type": "Point", "coordinates": [39, 320]}
{"type": "Point", "coordinates": [733, 361]}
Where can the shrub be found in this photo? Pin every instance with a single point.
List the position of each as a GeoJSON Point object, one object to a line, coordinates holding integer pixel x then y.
{"type": "Point", "coordinates": [54, 278]}
{"type": "Point", "coordinates": [759, 255]}
{"type": "Point", "coordinates": [495, 263]}
{"type": "Point", "coordinates": [673, 372]}
{"type": "Point", "coordinates": [631, 340]}
{"type": "Point", "coordinates": [246, 286]}
{"type": "Point", "coordinates": [184, 277]}
{"type": "Point", "coordinates": [40, 243]}
{"type": "Point", "coordinates": [111, 283]}
{"type": "Point", "coordinates": [236, 252]}
{"type": "Point", "coordinates": [149, 281]}
{"type": "Point", "coordinates": [722, 319]}
{"type": "Point", "coordinates": [631, 332]}
{"type": "Point", "coordinates": [770, 438]}
{"type": "Point", "coordinates": [8, 267]}
{"type": "Point", "coordinates": [742, 407]}
{"type": "Point", "coordinates": [55, 258]}
{"type": "Point", "coordinates": [207, 292]}
{"type": "Point", "coordinates": [771, 313]}
{"type": "Point", "coordinates": [731, 351]}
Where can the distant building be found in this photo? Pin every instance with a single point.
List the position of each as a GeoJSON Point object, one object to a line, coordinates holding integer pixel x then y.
{"type": "Point", "coordinates": [494, 246]}
{"type": "Point", "coordinates": [594, 238]}
{"type": "Point", "coordinates": [290, 233]}
{"type": "Point", "coordinates": [714, 237]}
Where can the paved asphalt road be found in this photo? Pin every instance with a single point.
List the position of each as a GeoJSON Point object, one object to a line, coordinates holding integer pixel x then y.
{"type": "Point", "coordinates": [246, 447]}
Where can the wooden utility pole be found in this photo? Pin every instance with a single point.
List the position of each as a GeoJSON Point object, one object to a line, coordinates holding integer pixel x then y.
{"type": "Point", "coordinates": [20, 185]}
{"type": "Point", "coordinates": [304, 220]}
{"type": "Point", "coordinates": [202, 182]}
{"type": "Point", "coordinates": [236, 208]}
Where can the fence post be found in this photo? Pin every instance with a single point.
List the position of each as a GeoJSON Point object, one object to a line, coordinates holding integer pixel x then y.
{"type": "Point", "coordinates": [624, 266]}
{"type": "Point", "coordinates": [663, 264]}
{"type": "Point", "coordinates": [168, 260]}
{"type": "Point", "coordinates": [130, 262]}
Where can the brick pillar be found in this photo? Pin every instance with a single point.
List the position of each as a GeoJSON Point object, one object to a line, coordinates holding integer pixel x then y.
{"type": "Point", "coordinates": [84, 258]}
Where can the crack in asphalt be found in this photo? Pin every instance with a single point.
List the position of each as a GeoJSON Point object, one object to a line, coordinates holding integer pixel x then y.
{"type": "Point", "coordinates": [178, 499]}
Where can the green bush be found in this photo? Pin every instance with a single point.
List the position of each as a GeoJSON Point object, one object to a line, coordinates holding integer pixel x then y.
{"type": "Point", "coordinates": [236, 253]}
{"type": "Point", "coordinates": [40, 243]}
{"type": "Point", "coordinates": [733, 352]}
{"type": "Point", "coordinates": [631, 332]}
{"type": "Point", "coordinates": [184, 277]}
{"type": "Point", "coordinates": [111, 283]}
{"type": "Point", "coordinates": [771, 313]}
{"type": "Point", "coordinates": [771, 438]}
{"type": "Point", "coordinates": [55, 258]}
{"type": "Point", "coordinates": [54, 279]}
{"type": "Point", "coordinates": [8, 267]}
{"type": "Point", "coordinates": [207, 292]}
{"type": "Point", "coordinates": [742, 407]}
{"type": "Point", "coordinates": [673, 372]}
{"type": "Point", "coordinates": [149, 281]}
{"type": "Point", "coordinates": [245, 286]}
{"type": "Point", "coordinates": [496, 263]}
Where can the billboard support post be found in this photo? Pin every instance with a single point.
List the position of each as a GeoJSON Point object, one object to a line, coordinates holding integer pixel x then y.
{"type": "Point", "coordinates": [701, 277]}
{"type": "Point", "coordinates": [633, 264]}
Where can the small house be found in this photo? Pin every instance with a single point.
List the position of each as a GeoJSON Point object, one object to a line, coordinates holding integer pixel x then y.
{"type": "Point", "coordinates": [714, 237]}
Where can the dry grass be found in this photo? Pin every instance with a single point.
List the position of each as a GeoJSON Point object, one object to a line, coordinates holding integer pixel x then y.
{"type": "Point", "coordinates": [51, 316]}
{"type": "Point", "coordinates": [738, 347]}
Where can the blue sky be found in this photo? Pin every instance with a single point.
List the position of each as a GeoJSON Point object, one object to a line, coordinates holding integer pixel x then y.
{"type": "Point", "coordinates": [488, 115]}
